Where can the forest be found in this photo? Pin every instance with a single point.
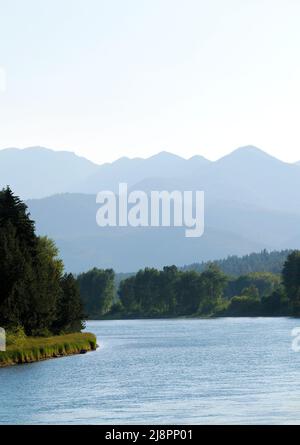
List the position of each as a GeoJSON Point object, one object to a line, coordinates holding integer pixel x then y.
{"type": "Point", "coordinates": [234, 265]}
{"type": "Point", "coordinates": [173, 292]}
{"type": "Point", "coordinates": [38, 297]}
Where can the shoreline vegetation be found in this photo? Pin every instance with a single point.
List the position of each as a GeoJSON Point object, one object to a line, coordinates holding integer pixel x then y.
{"type": "Point", "coordinates": [41, 309]}
{"type": "Point", "coordinates": [269, 286]}
{"type": "Point", "coordinates": [21, 350]}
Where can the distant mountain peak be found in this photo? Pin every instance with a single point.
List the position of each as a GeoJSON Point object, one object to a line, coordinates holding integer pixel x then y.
{"type": "Point", "coordinates": [53, 171]}
{"type": "Point", "coordinates": [198, 158]}
{"type": "Point", "coordinates": [168, 156]}
{"type": "Point", "coordinates": [50, 151]}
{"type": "Point", "coordinates": [248, 152]}
{"type": "Point", "coordinates": [38, 151]}
{"type": "Point", "coordinates": [37, 148]}
{"type": "Point", "coordinates": [34, 148]}
{"type": "Point", "coordinates": [165, 155]}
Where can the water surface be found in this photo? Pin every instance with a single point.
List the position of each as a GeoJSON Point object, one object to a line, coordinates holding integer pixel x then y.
{"type": "Point", "coordinates": [164, 371]}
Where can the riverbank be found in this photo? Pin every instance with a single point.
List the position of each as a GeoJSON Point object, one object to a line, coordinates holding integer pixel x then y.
{"type": "Point", "coordinates": [116, 317]}
{"type": "Point", "coordinates": [34, 349]}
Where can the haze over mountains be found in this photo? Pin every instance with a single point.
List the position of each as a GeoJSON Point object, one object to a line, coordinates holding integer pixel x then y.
{"type": "Point", "coordinates": [37, 172]}
{"type": "Point", "coordinates": [40, 172]}
{"type": "Point", "coordinates": [252, 202]}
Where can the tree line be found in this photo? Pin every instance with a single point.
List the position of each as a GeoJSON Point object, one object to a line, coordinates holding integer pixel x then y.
{"type": "Point", "coordinates": [173, 292]}
{"type": "Point", "coordinates": [234, 265]}
{"type": "Point", "coordinates": [35, 293]}
{"type": "Point", "coordinates": [38, 296]}
{"type": "Point", "coordinates": [176, 292]}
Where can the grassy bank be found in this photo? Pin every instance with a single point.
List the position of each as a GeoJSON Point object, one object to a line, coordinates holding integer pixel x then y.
{"type": "Point", "coordinates": [33, 349]}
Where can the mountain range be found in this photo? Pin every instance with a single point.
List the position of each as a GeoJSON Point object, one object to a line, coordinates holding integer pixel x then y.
{"type": "Point", "coordinates": [37, 172]}
{"type": "Point", "coordinates": [252, 202]}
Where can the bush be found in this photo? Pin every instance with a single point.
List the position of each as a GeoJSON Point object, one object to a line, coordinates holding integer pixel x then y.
{"type": "Point", "coordinates": [16, 336]}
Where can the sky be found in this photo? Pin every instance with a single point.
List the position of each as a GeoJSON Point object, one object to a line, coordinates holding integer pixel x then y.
{"type": "Point", "coordinates": [115, 78]}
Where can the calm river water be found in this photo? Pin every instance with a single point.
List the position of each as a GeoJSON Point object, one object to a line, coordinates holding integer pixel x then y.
{"type": "Point", "coordinates": [164, 371]}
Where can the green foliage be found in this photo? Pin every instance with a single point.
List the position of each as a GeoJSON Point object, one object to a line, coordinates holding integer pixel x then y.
{"type": "Point", "coordinates": [243, 306]}
{"type": "Point", "coordinates": [117, 308]}
{"type": "Point", "coordinates": [34, 349]}
{"type": "Point", "coordinates": [263, 283]}
{"type": "Point", "coordinates": [32, 290]}
{"type": "Point", "coordinates": [44, 289]}
{"type": "Point", "coordinates": [171, 292]}
{"type": "Point", "coordinates": [127, 294]}
{"type": "Point", "coordinates": [291, 280]}
{"type": "Point", "coordinates": [251, 292]}
{"type": "Point", "coordinates": [36, 299]}
{"type": "Point", "coordinates": [97, 291]}
{"type": "Point", "coordinates": [15, 270]}
{"type": "Point", "coordinates": [255, 262]}
{"type": "Point", "coordinates": [15, 337]}
{"type": "Point", "coordinates": [275, 304]}
{"type": "Point", "coordinates": [13, 211]}
{"type": "Point", "coordinates": [189, 293]}
{"type": "Point", "coordinates": [69, 311]}
{"type": "Point", "coordinates": [214, 283]}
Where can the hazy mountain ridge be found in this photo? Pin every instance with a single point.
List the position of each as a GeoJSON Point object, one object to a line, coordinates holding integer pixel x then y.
{"type": "Point", "coordinates": [132, 171]}
{"type": "Point", "coordinates": [252, 203]}
{"type": "Point", "coordinates": [37, 172]}
{"type": "Point", "coordinates": [230, 229]}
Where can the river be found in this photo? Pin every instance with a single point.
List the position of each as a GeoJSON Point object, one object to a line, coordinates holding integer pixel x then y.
{"type": "Point", "coordinates": [220, 371]}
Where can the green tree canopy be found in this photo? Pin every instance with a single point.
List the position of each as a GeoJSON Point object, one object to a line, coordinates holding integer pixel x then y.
{"type": "Point", "coordinates": [291, 280]}
{"type": "Point", "coordinates": [97, 291]}
{"type": "Point", "coordinates": [32, 289]}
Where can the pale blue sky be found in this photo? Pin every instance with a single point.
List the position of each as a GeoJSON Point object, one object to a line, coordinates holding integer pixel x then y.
{"type": "Point", "coordinates": [133, 77]}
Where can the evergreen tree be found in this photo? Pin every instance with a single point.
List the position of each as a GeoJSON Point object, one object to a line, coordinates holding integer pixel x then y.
{"type": "Point", "coordinates": [17, 252]}
{"type": "Point", "coordinates": [33, 293]}
{"type": "Point", "coordinates": [14, 273]}
{"type": "Point", "coordinates": [14, 211]}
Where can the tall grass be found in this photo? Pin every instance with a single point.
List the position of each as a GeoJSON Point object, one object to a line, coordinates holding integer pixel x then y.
{"type": "Point", "coordinates": [21, 349]}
